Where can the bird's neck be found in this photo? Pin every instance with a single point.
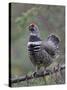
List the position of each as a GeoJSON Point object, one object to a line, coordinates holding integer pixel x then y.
{"type": "Point", "coordinates": [37, 34]}
{"type": "Point", "coordinates": [33, 34]}
{"type": "Point", "coordinates": [34, 38]}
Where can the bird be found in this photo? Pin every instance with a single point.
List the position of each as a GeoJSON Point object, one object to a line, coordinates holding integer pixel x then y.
{"type": "Point", "coordinates": [41, 53]}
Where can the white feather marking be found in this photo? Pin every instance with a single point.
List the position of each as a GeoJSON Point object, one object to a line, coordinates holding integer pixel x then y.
{"type": "Point", "coordinates": [36, 50]}
{"type": "Point", "coordinates": [33, 34]}
{"type": "Point", "coordinates": [37, 46]}
{"type": "Point", "coordinates": [34, 43]}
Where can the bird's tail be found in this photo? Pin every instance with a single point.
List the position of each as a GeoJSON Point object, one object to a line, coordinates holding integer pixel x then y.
{"type": "Point", "coordinates": [55, 39]}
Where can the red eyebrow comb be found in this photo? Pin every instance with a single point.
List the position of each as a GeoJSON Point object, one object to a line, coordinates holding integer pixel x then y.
{"type": "Point", "coordinates": [32, 24]}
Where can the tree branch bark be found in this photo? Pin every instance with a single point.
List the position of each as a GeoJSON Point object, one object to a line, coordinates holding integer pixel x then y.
{"type": "Point", "coordinates": [36, 75]}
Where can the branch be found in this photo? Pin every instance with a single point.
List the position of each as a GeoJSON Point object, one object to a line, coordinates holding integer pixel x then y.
{"type": "Point", "coordinates": [36, 75]}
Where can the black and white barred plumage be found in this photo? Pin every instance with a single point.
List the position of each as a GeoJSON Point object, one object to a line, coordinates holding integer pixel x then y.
{"type": "Point", "coordinates": [40, 52]}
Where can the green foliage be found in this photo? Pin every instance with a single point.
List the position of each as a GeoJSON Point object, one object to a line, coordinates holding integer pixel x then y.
{"type": "Point", "coordinates": [27, 17]}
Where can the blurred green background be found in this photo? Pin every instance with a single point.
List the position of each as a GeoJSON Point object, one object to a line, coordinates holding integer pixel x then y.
{"type": "Point", "coordinates": [50, 19]}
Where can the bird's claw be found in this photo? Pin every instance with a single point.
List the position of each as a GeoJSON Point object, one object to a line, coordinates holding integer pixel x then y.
{"type": "Point", "coordinates": [34, 74]}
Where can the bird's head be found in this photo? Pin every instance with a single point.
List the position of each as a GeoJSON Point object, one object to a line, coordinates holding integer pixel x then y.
{"type": "Point", "coordinates": [33, 28]}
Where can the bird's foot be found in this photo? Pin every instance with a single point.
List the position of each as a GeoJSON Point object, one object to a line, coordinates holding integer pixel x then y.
{"type": "Point", "coordinates": [34, 74]}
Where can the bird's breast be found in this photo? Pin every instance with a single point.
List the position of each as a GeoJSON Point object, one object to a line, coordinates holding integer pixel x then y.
{"type": "Point", "coordinates": [34, 47]}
